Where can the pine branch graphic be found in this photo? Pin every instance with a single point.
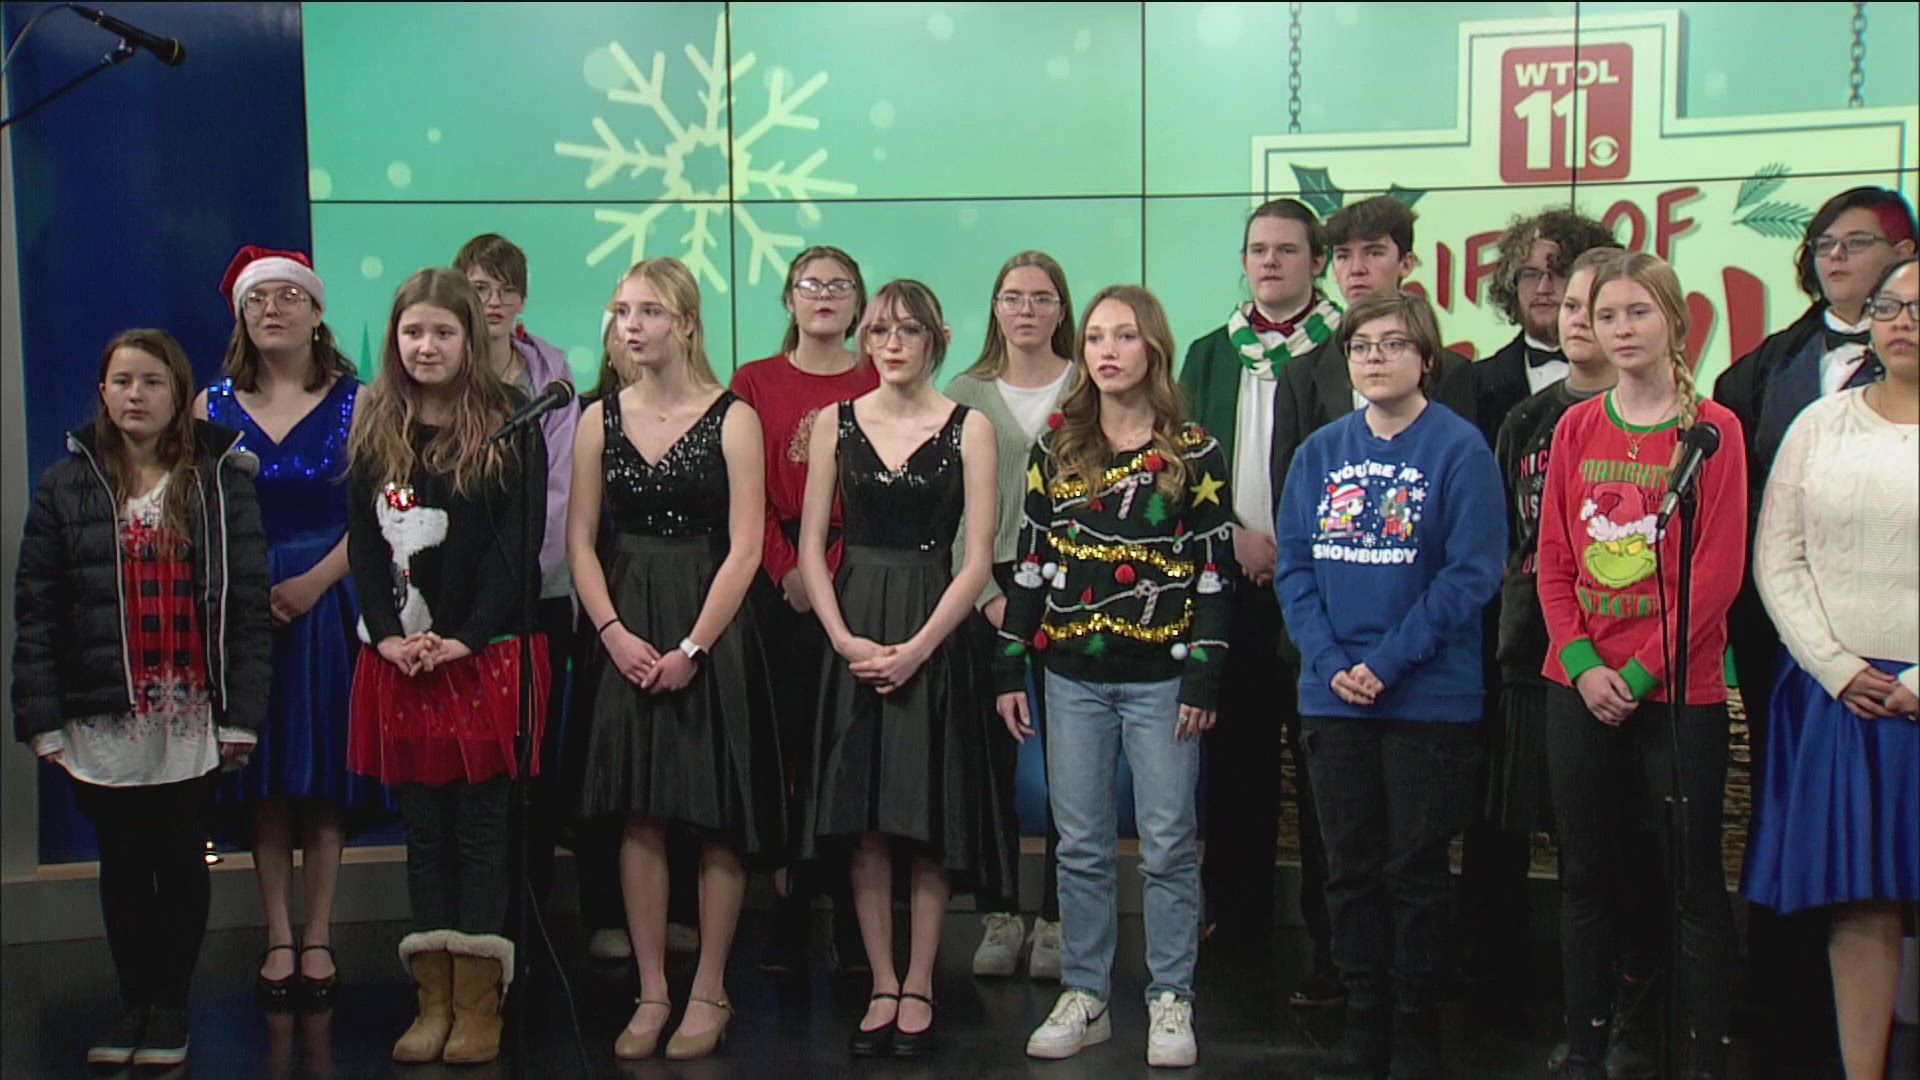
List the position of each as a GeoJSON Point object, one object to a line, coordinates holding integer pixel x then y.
{"type": "Point", "coordinates": [1760, 185]}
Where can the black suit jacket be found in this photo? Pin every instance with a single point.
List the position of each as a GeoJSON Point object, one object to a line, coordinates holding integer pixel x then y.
{"type": "Point", "coordinates": [1499, 383]}
{"type": "Point", "coordinates": [1744, 388]}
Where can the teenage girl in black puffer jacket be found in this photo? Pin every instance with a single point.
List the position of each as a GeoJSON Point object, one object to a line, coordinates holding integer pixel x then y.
{"type": "Point", "coordinates": [141, 661]}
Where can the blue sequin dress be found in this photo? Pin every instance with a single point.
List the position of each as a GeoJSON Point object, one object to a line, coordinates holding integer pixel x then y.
{"type": "Point", "coordinates": [303, 507]}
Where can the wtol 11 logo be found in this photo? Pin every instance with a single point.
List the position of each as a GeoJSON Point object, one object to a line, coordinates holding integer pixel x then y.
{"type": "Point", "coordinates": [1566, 110]}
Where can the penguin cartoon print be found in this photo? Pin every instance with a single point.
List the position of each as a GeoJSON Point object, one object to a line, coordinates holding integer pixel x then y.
{"type": "Point", "coordinates": [1344, 505]}
{"type": "Point", "coordinates": [409, 529]}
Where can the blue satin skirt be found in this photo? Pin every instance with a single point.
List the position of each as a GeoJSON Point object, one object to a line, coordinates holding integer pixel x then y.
{"type": "Point", "coordinates": [302, 752]}
{"type": "Point", "coordinates": [1837, 812]}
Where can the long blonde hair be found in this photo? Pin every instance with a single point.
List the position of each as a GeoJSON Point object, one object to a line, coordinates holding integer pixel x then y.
{"type": "Point", "coordinates": [380, 447]}
{"type": "Point", "coordinates": [1652, 273]}
{"type": "Point", "coordinates": [674, 284]}
{"type": "Point", "coordinates": [993, 352]}
{"type": "Point", "coordinates": [1079, 446]}
{"type": "Point", "coordinates": [174, 449]}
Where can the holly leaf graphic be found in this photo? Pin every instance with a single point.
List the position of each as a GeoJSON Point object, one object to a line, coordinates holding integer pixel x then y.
{"type": "Point", "coordinates": [1405, 195]}
{"type": "Point", "coordinates": [1317, 190]}
{"type": "Point", "coordinates": [1760, 185]}
{"type": "Point", "coordinates": [1779, 220]}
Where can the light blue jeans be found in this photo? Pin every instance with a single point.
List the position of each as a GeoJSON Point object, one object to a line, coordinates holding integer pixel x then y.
{"type": "Point", "coordinates": [1087, 725]}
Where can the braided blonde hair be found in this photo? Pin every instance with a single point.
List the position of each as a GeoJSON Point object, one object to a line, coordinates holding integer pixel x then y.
{"type": "Point", "coordinates": [1653, 273]}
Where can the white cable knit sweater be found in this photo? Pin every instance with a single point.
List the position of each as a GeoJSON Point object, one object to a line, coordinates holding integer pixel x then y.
{"type": "Point", "coordinates": [1835, 555]}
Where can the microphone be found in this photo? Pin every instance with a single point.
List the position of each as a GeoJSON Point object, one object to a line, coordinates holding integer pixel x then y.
{"type": "Point", "coordinates": [558, 394]}
{"type": "Point", "coordinates": [168, 51]}
{"type": "Point", "coordinates": [1696, 446]}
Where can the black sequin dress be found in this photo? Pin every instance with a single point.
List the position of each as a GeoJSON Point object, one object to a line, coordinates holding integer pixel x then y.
{"type": "Point", "coordinates": [707, 756]}
{"type": "Point", "coordinates": [912, 763]}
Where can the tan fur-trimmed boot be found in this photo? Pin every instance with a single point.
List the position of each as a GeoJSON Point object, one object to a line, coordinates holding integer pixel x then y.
{"type": "Point", "coordinates": [424, 955]}
{"type": "Point", "coordinates": [482, 968]}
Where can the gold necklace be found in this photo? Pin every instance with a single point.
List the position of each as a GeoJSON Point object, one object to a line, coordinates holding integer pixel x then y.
{"type": "Point", "coordinates": [1635, 438]}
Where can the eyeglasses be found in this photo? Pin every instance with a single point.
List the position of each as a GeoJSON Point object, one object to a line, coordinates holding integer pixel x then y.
{"type": "Point", "coordinates": [1390, 349]}
{"type": "Point", "coordinates": [1887, 308]}
{"type": "Point", "coordinates": [506, 294]}
{"type": "Point", "coordinates": [1855, 243]}
{"type": "Point", "coordinates": [1530, 278]}
{"type": "Point", "coordinates": [1015, 302]}
{"type": "Point", "coordinates": [813, 288]}
{"type": "Point", "coordinates": [909, 332]}
{"type": "Point", "coordinates": [288, 296]}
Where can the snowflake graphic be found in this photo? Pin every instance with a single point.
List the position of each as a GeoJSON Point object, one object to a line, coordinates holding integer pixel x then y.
{"type": "Point", "coordinates": [703, 206]}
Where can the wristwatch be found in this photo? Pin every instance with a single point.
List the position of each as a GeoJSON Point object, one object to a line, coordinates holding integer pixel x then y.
{"type": "Point", "coordinates": [691, 651]}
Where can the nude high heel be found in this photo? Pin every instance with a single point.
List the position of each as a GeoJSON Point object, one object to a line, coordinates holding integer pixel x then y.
{"type": "Point", "coordinates": [686, 1047]}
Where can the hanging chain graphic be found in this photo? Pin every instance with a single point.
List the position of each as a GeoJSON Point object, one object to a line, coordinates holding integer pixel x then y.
{"type": "Point", "coordinates": [1293, 66]}
{"type": "Point", "coordinates": [1857, 78]}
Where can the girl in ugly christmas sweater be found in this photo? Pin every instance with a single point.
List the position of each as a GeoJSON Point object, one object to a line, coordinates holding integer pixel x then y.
{"type": "Point", "coordinates": [1607, 580]}
{"type": "Point", "coordinates": [1118, 595]}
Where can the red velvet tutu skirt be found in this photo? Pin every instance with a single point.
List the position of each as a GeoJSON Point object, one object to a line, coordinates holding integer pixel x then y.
{"type": "Point", "coordinates": [456, 722]}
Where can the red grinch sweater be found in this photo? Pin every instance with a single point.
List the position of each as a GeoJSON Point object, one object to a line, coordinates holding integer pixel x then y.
{"type": "Point", "coordinates": [1599, 551]}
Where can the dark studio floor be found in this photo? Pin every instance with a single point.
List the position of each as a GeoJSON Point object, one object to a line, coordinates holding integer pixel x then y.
{"type": "Point", "coordinates": [57, 996]}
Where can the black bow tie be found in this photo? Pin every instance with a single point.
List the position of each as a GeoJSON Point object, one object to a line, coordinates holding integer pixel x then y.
{"type": "Point", "coordinates": [1836, 338]}
{"type": "Point", "coordinates": [1536, 358]}
{"type": "Point", "coordinates": [1868, 372]}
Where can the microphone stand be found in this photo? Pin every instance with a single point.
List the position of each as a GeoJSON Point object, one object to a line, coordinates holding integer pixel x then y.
{"type": "Point", "coordinates": [120, 55]}
{"type": "Point", "coordinates": [520, 813]}
{"type": "Point", "coordinates": [1677, 802]}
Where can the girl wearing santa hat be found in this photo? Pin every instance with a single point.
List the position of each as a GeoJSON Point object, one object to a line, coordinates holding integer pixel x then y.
{"type": "Point", "coordinates": [1607, 575]}
{"type": "Point", "coordinates": [1119, 598]}
{"type": "Point", "coordinates": [434, 517]}
{"type": "Point", "coordinates": [289, 391]}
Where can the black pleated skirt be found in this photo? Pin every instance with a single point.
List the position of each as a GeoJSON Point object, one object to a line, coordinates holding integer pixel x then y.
{"type": "Point", "coordinates": [914, 763]}
{"type": "Point", "coordinates": [706, 756]}
{"type": "Point", "coordinates": [1518, 798]}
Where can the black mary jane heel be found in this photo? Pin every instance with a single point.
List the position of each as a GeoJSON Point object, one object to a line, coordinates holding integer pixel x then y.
{"type": "Point", "coordinates": [277, 993]}
{"type": "Point", "coordinates": [317, 994]}
{"type": "Point", "coordinates": [875, 1042]}
{"type": "Point", "coordinates": [908, 1044]}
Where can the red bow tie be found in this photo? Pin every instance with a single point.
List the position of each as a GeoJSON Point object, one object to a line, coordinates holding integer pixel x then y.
{"type": "Point", "coordinates": [1261, 324]}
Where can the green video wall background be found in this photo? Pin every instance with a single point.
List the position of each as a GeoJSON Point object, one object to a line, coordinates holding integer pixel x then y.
{"type": "Point", "coordinates": [934, 140]}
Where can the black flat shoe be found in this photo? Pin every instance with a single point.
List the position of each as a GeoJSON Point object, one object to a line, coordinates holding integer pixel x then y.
{"type": "Point", "coordinates": [317, 994]}
{"type": "Point", "coordinates": [875, 1042]}
{"type": "Point", "coordinates": [915, 1043]}
{"type": "Point", "coordinates": [277, 993]}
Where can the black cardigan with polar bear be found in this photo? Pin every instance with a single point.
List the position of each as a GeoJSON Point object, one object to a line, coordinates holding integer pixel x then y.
{"type": "Point", "coordinates": [427, 557]}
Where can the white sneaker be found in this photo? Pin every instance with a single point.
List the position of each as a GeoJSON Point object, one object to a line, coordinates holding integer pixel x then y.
{"type": "Point", "coordinates": [999, 951]}
{"type": "Point", "coordinates": [1043, 957]}
{"type": "Point", "coordinates": [610, 945]}
{"type": "Point", "coordinates": [1078, 1020]}
{"type": "Point", "coordinates": [1170, 1042]}
{"type": "Point", "coordinates": [682, 939]}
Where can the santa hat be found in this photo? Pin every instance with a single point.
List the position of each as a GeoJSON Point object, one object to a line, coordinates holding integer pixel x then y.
{"type": "Point", "coordinates": [252, 265]}
{"type": "Point", "coordinates": [1342, 494]}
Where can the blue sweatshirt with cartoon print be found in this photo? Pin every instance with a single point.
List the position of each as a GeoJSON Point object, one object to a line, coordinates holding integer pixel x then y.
{"type": "Point", "coordinates": [1389, 549]}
